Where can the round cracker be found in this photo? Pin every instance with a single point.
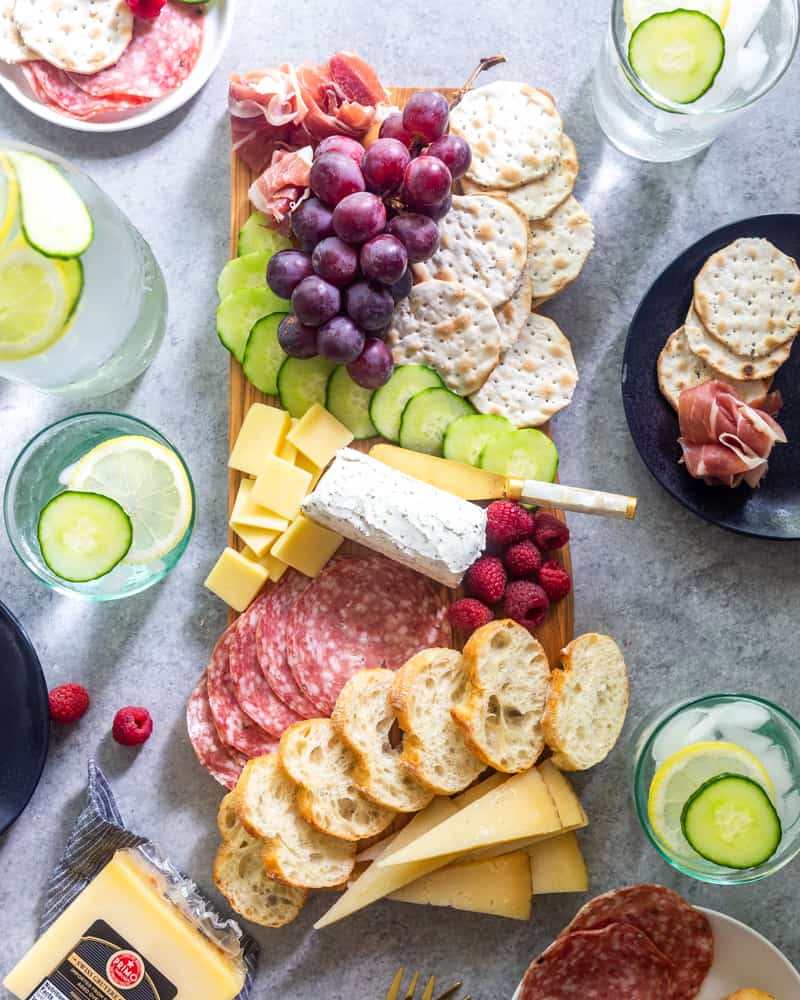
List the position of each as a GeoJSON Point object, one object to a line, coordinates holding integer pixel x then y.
{"type": "Point", "coordinates": [535, 378]}
{"type": "Point", "coordinates": [560, 245]}
{"type": "Point", "coordinates": [451, 329]}
{"type": "Point", "coordinates": [12, 47]}
{"type": "Point", "coordinates": [747, 296]}
{"type": "Point", "coordinates": [514, 131]}
{"type": "Point", "coordinates": [79, 36]}
{"type": "Point", "coordinates": [511, 315]}
{"type": "Point", "coordinates": [679, 369]}
{"type": "Point", "coordinates": [483, 245]}
{"type": "Point", "coordinates": [710, 350]}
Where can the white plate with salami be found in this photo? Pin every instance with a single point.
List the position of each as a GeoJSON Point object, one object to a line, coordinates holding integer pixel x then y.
{"type": "Point", "coordinates": [168, 59]}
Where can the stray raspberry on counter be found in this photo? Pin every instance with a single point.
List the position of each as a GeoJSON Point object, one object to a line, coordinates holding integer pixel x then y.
{"type": "Point", "coordinates": [68, 703]}
{"type": "Point", "coordinates": [132, 725]}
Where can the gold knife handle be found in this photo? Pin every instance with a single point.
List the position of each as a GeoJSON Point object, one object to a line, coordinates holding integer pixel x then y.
{"type": "Point", "coordinates": [572, 498]}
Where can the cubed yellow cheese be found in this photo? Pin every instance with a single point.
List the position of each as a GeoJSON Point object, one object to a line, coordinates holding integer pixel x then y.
{"type": "Point", "coordinates": [313, 470]}
{"type": "Point", "coordinates": [236, 579]}
{"type": "Point", "coordinates": [281, 487]}
{"type": "Point", "coordinates": [306, 545]}
{"type": "Point", "coordinates": [263, 432]}
{"type": "Point", "coordinates": [287, 452]}
{"type": "Point", "coordinates": [563, 794]}
{"type": "Point", "coordinates": [246, 511]}
{"type": "Point", "coordinates": [501, 887]}
{"type": "Point", "coordinates": [557, 865]}
{"type": "Point", "coordinates": [257, 539]}
{"type": "Point", "coordinates": [274, 567]}
{"type": "Point", "coordinates": [319, 435]}
{"type": "Point", "coordinates": [129, 902]}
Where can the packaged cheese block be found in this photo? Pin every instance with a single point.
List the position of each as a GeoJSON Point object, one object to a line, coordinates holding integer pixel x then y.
{"type": "Point", "coordinates": [131, 930]}
{"type": "Point", "coordinates": [557, 865]}
{"type": "Point", "coordinates": [262, 434]}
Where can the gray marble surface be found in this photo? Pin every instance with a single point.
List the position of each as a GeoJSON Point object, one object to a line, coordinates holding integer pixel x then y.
{"type": "Point", "coordinates": [695, 609]}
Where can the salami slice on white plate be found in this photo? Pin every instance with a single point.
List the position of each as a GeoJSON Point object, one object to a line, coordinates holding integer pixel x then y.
{"type": "Point", "coordinates": [361, 611]}
{"type": "Point", "coordinates": [54, 88]}
{"type": "Point", "coordinates": [222, 763]}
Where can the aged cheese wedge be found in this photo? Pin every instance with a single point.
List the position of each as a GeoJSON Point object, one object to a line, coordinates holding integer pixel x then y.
{"type": "Point", "coordinates": [306, 545]}
{"type": "Point", "coordinates": [563, 794]}
{"type": "Point", "coordinates": [557, 865]}
{"type": "Point", "coordinates": [236, 579]}
{"type": "Point", "coordinates": [263, 431]}
{"type": "Point", "coordinates": [478, 790]}
{"type": "Point", "coordinates": [275, 567]}
{"type": "Point", "coordinates": [319, 435]}
{"type": "Point", "coordinates": [247, 512]}
{"type": "Point", "coordinates": [281, 487]}
{"type": "Point", "coordinates": [521, 807]}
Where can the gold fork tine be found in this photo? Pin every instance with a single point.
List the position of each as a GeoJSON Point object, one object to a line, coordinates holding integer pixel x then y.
{"type": "Point", "coordinates": [412, 988]}
{"type": "Point", "coordinates": [451, 991]}
{"type": "Point", "coordinates": [428, 991]}
{"type": "Point", "coordinates": [394, 989]}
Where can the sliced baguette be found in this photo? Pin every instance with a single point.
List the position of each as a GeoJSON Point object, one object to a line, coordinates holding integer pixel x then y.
{"type": "Point", "coordinates": [322, 765]}
{"type": "Point", "coordinates": [228, 821]}
{"type": "Point", "coordinates": [509, 679]}
{"type": "Point", "coordinates": [294, 852]}
{"type": "Point", "coordinates": [423, 694]}
{"type": "Point", "coordinates": [587, 703]}
{"type": "Point", "coordinates": [365, 720]}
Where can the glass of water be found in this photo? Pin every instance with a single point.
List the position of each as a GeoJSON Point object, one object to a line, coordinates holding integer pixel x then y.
{"type": "Point", "coordinates": [760, 39]}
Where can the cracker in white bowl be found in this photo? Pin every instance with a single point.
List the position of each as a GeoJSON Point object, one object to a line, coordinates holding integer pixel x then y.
{"type": "Point", "coordinates": [451, 329]}
{"type": "Point", "coordinates": [560, 245]}
{"type": "Point", "coordinates": [747, 296]}
{"type": "Point", "coordinates": [535, 378]}
{"type": "Point", "coordinates": [483, 245]}
{"type": "Point", "coordinates": [716, 354]}
{"type": "Point", "coordinates": [514, 131]}
{"type": "Point", "coordinates": [12, 47]}
{"type": "Point", "coordinates": [79, 36]}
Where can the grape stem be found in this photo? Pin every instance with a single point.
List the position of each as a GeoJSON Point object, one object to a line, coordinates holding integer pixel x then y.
{"type": "Point", "coordinates": [488, 62]}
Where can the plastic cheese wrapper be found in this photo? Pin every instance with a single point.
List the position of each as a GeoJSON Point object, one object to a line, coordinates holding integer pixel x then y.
{"type": "Point", "coordinates": [121, 921]}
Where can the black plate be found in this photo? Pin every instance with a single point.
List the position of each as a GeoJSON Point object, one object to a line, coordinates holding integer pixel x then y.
{"type": "Point", "coordinates": [24, 719]}
{"type": "Point", "coordinates": [771, 511]}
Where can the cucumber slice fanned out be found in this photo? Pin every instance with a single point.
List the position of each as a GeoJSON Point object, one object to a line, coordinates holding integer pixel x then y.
{"type": "Point", "coordinates": [239, 312]}
{"type": "Point", "coordinates": [349, 403]}
{"type": "Point", "coordinates": [83, 536]}
{"type": "Point", "coordinates": [248, 271]}
{"type": "Point", "coordinates": [522, 454]}
{"type": "Point", "coordinates": [388, 402]}
{"type": "Point", "coordinates": [466, 437]}
{"type": "Point", "coordinates": [256, 234]}
{"type": "Point", "coordinates": [302, 382]}
{"type": "Point", "coordinates": [427, 416]}
{"type": "Point", "coordinates": [678, 53]}
{"type": "Point", "coordinates": [263, 355]}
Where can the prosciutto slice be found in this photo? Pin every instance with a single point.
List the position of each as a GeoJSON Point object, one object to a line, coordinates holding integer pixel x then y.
{"type": "Point", "coordinates": [724, 441]}
{"type": "Point", "coordinates": [283, 184]}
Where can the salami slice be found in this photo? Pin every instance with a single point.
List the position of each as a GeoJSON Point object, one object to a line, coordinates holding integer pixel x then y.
{"type": "Point", "coordinates": [162, 53]}
{"type": "Point", "coordinates": [677, 929]}
{"type": "Point", "coordinates": [235, 728]}
{"type": "Point", "coordinates": [617, 962]}
{"type": "Point", "coordinates": [223, 764]}
{"type": "Point", "coordinates": [255, 696]}
{"type": "Point", "coordinates": [361, 611]}
{"type": "Point", "coordinates": [271, 643]}
{"type": "Point", "coordinates": [54, 88]}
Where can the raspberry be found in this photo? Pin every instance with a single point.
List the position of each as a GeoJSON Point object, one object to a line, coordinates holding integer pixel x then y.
{"type": "Point", "coordinates": [507, 522]}
{"type": "Point", "coordinates": [486, 579]}
{"type": "Point", "coordinates": [132, 726]}
{"type": "Point", "coordinates": [555, 581]}
{"type": "Point", "coordinates": [468, 614]}
{"type": "Point", "coordinates": [526, 603]}
{"type": "Point", "coordinates": [68, 702]}
{"type": "Point", "coordinates": [548, 532]}
{"type": "Point", "coordinates": [522, 559]}
{"type": "Point", "coordinates": [146, 8]}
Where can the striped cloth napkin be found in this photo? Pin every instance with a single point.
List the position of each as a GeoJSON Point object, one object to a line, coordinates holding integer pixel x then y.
{"type": "Point", "coordinates": [99, 831]}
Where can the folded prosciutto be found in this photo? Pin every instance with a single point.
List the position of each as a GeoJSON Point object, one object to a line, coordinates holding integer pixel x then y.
{"type": "Point", "coordinates": [724, 441]}
{"type": "Point", "coordinates": [282, 185]}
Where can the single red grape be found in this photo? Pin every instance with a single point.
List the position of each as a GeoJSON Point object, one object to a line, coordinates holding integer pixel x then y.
{"type": "Point", "coordinates": [285, 271]}
{"type": "Point", "coordinates": [383, 259]}
{"type": "Point", "coordinates": [340, 340]}
{"type": "Point", "coordinates": [426, 182]}
{"type": "Point", "coordinates": [418, 234]}
{"type": "Point", "coordinates": [369, 306]}
{"type": "Point", "coordinates": [359, 217]}
{"type": "Point", "coordinates": [373, 367]}
{"type": "Point", "coordinates": [425, 115]}
{"type": "Point", "coordinates": [335, 261]}
{"type": "Point", "coordinates": [454, 152]}
{"type": "Point", "coordinates": [402, 288]}
{"type": "Point", "coordinates": [297, 340]}
{"type": "Point", "coordinates": [334, 176]}
{"type": "Point", "coordinates": [341, 144]}
{"type": "Point", "coordinates": [385, 164]}
{"type": "Point", "coordinates": [311, 222]}
{"type": "Point", "coordinates": [392, 128]}
{"type": "Point", "coordinates": [315, 301]}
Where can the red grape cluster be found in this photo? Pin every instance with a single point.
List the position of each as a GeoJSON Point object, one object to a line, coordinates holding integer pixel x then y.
{"type": "Point", "coordinates": [371, 213]}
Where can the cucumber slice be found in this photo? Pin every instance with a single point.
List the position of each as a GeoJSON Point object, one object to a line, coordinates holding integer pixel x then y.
{"type": "Point", "coordinates": [249, 271]}
{"type": "Point", "coordinates": [523, 454]}
{"type": "Point", "coordinates": [388, 402]}
{"type": "Point", "coordinates": [349, 403]}
{"type": "Point", "coordinates": [239, 312]}
{"type": "Point", "coordinates": [83, 536]}
{"type": "Point", "coordinates": [302, 382]}
{"type": "Point", "coordinates": [257, 234]}
{"type": "Point", "coordinates": [427, 416]}
{"type": "Point", "coordinates": [466, 437]}
{"type": "Point", "coordinates": [731, 821]}
{"type": "Point", "coordinates": [678, 53]}
{"type": "Point", "coordinates": [263, 355]}
{"type": "Point", "coordinates": [54, 217]}
{"type": "Point", "coordinates": [72, 273]}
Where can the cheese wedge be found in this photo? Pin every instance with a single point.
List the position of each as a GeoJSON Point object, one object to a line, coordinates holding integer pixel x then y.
{"type": "Point", "coordinates": [477, 791]}
{"type": "Point", "coordinates": [563, 794]}
{"type": "Point", "coordinates": [557, 865]}
{"type": "Point", "coordinates": [501, 887]}
{"type": "Point", "coordinates": [520, 807]}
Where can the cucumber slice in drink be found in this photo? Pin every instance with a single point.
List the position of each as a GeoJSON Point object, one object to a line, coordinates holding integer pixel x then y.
{"type": "Point", "coordinates": [83, 536]}
{"type": "Point", "coordinates": [256, 234]}
{"type": "Point", "coordinates": [72, 273]}
{"type": "Point", "coordinates": [9, 202]}
{"type": "Point", "coordinates": [349, 403]}
{"type": "Point", "coordinates": [523, 454]}
{"type": "Point", "coordinates": [427, 416]}
{"type": "Point", "coordinates": [637, 11]}
{"type": "Point", "coordinates": [302, 382]}
{"type": "Point", "coordinates": [249, 271]}
{"type": "Point", "coordinates": [466, 437]}
{"type": "Point", "coordinates": [678, 53]}
{"type": "Point", "coordinates": [388, 402]}
{"type": "Point", "coordinates": [54, 217]}
{"type": "Point", "coordinates": [239, 312]}
{"type": "Point", "coordinates": [731, 821]}
{"type": "Point", "coordinates": [263, 355]}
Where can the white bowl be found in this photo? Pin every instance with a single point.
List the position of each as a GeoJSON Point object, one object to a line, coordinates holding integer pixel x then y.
{"type": "Point", "coordinates": [218, 23]}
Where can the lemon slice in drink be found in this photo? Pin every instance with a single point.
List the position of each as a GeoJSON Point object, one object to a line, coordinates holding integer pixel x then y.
{"type": "Point", "coordinates": [150, 484]}
{"type": "Point", "coordinates": [9, 201]}
{"type": "Point", "coordinates": [684, 772]}
{"type": "Point", "coordinates": [34, 302]}
{"type": "Point", "coordinates": [637, 11]}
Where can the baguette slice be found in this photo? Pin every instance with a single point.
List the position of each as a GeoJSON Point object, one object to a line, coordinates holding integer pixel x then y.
{"type": "Point", "coordinates": [294, 852]}
{"type": "Point", "coordinates": [318, 760]}
{"type": "Point", "coordinates": [424, 692]}
{"type": "Point", "coordinates": [509, 679]}
{"type": "Point", "coordinates": [365, 721]}
{"type": "Point", "coordinates": [228, 817]}
{"type": "Point", "coordinates": [587, 703]}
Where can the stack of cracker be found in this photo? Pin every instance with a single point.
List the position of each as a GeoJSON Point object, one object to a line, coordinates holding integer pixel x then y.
{"type": "Point", "coordinates": [741, 325]}
{"type": "Point", "coordinates": [514, 239]}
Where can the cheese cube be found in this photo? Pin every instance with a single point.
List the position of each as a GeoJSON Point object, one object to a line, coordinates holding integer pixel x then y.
{"type": "Point", "coordinates": [235, 579]}
{"type": "Point", "coordinates": [287, 452]}
{"type": "Point", "coordinates": [306, 545]}
{"type": "Point", "coordinates": [314, 470]}
{"type": "Point", "coordinates": [281, 487]}
{"type": "Point", "coordinates": [319, 435]}
{"type": "Point", "coordinates": [557, 865]}
{"type": "Point", "coordinates": [257, 539]}
{"type": "Point", "coordinates": [246, 511]}
{"type": "Point", "coordinates": [263, 431]}
{"type": "Point", "coordinates": [273, 566]}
